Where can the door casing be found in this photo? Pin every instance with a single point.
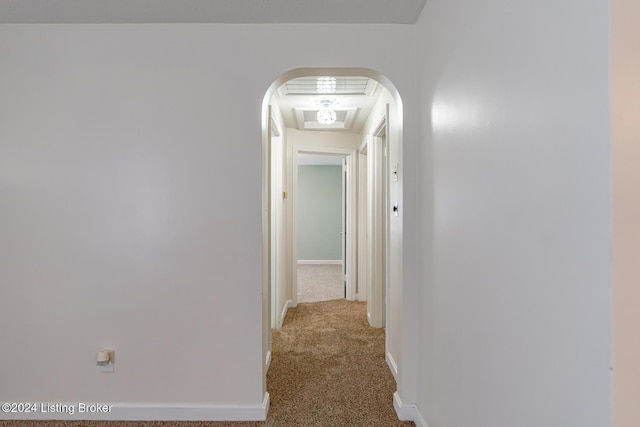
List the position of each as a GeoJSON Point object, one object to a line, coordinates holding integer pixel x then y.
{"type": "Point", "coordinates": [351, 217]}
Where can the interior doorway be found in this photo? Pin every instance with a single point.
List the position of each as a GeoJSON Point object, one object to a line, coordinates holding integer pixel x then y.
{"type": "Point", "coordinates": [321, 212]}
{"type": "Point", "coordinates": [367, 251]}
{"type": "Point", "coordinates": [343, 244]}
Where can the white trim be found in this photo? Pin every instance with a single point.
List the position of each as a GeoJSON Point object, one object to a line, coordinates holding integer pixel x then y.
{"type": "Point", "coordinates": [408, 411]}
{"type": "Point", "coordinates": [362, 224]}
{"type": "Point", "coordinates": [393, 366]}
{"type": "Point", "coordinates": [419, 420]}
{"type": "Point", "coordinates": [154, 412]}
{"type": "Point", "coordinates": [351, 224]}
{"type": "Point", "coordinates": [267, 361]}
{"type": "Point", "coordinates": [266, 240]}
{"type": "Point", "coordinates": [275, 131]}
{"type": "Point", "coordinates": [378, 240]}
{"type": "Point", "coordinates": [284, 312]}
{"type": "Point", "coordinates": [320, 261]}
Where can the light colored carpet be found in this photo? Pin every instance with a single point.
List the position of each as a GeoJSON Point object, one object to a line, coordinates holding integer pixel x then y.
{"type": "Point", "coordinates": [328, 370]}
{"type": "Point", "coordinates": [320, 282]}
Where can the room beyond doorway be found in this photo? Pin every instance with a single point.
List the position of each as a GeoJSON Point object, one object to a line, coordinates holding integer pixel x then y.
{"type": "Point", "coordinates": [321, 211]}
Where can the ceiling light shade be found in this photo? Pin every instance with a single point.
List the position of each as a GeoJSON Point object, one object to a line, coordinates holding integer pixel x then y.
{"type": "Point", "coordinates": [326, 84]}
{"type": "Point", "coordinates": [326, 116]}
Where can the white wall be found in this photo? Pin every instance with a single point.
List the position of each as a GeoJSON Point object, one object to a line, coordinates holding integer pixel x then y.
{"type": "Point", "coordinates": [318, 138]}
{"type": "Point", "coordinates": [625, 108]}
{"type": "Point", "coordinates": [320, 212]}
{"type": "Point", "coordinates": [514, 143]}
{"type": "Point", "coordinates": [130, 171]}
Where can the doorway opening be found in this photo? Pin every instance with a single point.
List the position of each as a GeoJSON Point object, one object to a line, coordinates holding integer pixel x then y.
{"type": "Point", "coordinates": [321, 216]}
{"type": "Point", "coordinates": [314, 112]}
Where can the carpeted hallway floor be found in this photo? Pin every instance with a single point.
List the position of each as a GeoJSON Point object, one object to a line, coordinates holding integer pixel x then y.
{"type": "Point", "coordinates": [328, 369]}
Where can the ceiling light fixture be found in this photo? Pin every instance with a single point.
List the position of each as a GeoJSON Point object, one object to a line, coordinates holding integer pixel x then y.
{"type": "Point", "coordinates": [326, 114]}
{"type": "Point", "coordinates": [326, 84]}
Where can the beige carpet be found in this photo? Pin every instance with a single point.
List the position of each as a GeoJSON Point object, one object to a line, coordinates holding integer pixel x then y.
{"type": "Point", "coordinates": [328, 369]}
{"type": "Point", "coordinates": [320, 282]}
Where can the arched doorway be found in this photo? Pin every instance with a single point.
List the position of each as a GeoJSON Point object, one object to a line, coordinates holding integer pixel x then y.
{"type": "Point", "coordinates": [381, 141]}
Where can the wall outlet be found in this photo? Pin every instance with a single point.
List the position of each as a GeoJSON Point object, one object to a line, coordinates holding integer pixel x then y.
{"type": "Point", "coordinates": [105, 361]}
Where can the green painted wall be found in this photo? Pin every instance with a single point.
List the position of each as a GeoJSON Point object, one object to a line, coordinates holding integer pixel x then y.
{"type": "Point", "coordinates": [319, 212]}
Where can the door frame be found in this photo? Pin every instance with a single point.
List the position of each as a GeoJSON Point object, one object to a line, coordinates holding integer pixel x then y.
{"type": "Point", "coordinates": [277, 215]}
{"type": "Point", "coordinates": [362, 282]}
{"type": "Point", "coordinates": [351, 220]}
{"type": "Point", "coordinates": [378, 225]}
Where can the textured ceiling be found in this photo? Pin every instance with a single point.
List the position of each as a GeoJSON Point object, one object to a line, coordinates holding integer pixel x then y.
{"type": "Point", "coordinates": [213, 11]}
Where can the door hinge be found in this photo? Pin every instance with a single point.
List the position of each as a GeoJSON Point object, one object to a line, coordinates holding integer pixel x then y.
{"type": "Point", "coordinates": [284, 194]}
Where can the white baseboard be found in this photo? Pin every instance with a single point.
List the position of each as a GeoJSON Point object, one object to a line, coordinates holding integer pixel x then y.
{"type": "Point", "coordinates": [287, 304]}
{"type": "Point", "coordinates": [419, 419]}
{"type": "Point", "coordinates": [148, 412]}
{"type": "Point", "coordinates": [393, 366]}
{"type": "Point", "coordinates": [408, 412]}
{"type": "Point", "coordinates": [320, 261]}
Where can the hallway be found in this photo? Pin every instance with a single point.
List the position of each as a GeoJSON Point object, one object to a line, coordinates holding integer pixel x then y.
{"type": "Point", "coordinates": [137, 212]}
{"type": "Point", "coordinates": [328, 369]}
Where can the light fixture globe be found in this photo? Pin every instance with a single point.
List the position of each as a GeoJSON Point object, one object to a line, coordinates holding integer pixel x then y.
{"type": "Point", "coordinates": [326, 116]}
